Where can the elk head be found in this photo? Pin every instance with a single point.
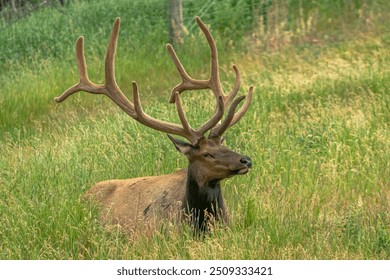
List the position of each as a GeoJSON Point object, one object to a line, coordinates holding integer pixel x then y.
{"type": "Point", "coordinates": [209, 160]}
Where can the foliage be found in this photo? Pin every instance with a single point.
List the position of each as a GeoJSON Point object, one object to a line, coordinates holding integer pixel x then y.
{"type": "Point", "coordinates": [317, 130]}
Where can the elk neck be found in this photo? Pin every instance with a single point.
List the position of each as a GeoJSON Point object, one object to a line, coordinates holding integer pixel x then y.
{"type": "Point", "coordinates": [202, 196]}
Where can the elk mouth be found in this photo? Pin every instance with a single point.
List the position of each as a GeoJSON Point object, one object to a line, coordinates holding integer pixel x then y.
{"type": "Point", "coordinates": [240, 171]}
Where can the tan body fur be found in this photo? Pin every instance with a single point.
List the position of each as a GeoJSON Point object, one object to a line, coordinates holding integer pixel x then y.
{"type": "Point", "coordinates": [140, 200]}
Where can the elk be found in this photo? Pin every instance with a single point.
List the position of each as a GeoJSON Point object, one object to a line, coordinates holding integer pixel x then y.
{"type": "Point", "coordinates": [193, 193]}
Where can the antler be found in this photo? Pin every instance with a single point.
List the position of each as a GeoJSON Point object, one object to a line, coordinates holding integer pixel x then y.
{"type": "Point", "coordinates": [111, 89]}
{"type": "Point", "coordinates": [213, 83]}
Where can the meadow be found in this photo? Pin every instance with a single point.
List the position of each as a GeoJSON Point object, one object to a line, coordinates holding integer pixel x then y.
{"type": "Point", "coordinates": [317, 130]}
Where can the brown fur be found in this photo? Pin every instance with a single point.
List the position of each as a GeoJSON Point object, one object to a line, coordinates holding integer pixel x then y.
{"type": "Point", "coordinates": [194, 192]}
{"type": "Point", "coordinates": [140, 202]}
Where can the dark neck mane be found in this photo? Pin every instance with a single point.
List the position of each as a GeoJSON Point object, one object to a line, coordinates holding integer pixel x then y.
{"type": "Point", "coordinates": [203, 201]}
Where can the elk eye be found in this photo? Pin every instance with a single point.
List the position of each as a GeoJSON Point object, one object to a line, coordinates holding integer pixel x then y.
{"type": "Point", "coordinates": [208, 155]}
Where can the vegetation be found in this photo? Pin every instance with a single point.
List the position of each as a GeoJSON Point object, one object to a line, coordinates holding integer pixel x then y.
{"type": "Point", "coordinates": [317, 130]}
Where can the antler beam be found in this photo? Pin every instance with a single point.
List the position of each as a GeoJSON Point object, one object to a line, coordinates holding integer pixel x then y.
{"type": "Point", "coordinates": [213, 83]}
{"type": "Point", "coordinates": [111, 89]}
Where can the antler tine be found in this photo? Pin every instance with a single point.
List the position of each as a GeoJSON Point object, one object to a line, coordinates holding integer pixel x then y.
{"type": "Point", "coordinates": [110, 88]}
{"type": "Point", "coordinates": [232, 116]}
{"type": "Point", "coordinates": [241, 112]}
{"type": "Point", "coordinates": [213, 83]}
{"type": "Point", "coordinates": [221, 128]}
{"type": "Point", "coordinates": [182, 116]}
{"type": "Point", "coordinates": [187, 83]}
{"type": "Point", "coordinates": [110, 57]}
{"type": "Point", "coordinates": [84, 81]}
{"type": "Point", "coordinates": [232, 94]}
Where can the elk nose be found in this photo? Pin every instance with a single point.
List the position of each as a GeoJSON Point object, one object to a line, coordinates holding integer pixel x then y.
{"type": "Point", "coordinates": [247, 161]}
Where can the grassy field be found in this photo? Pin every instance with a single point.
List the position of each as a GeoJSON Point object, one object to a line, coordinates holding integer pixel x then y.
{"type": "Point", "coordinates": [317, 130]}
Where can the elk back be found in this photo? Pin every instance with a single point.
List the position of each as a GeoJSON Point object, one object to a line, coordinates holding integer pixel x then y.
{"type": "Point", "coordinates": [140, 202]}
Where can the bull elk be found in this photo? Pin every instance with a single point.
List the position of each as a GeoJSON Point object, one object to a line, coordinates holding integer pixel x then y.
{"type": "Point", "coordinates": [194, 193]}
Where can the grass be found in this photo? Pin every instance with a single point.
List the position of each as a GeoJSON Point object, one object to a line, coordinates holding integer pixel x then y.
{"type": "Point", "coordinates": [317, 131]}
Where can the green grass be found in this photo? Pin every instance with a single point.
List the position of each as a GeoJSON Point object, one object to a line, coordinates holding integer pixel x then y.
{"type": "Point", "coordinates": [317, 131]}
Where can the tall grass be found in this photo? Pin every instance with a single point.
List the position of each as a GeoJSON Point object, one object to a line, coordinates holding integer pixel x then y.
{"type": "Point", "coordinates": [317, 132]}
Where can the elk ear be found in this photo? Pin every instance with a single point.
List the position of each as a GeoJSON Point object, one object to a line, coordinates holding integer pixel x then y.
{"type": "Point", "coordinates": [181, 146]}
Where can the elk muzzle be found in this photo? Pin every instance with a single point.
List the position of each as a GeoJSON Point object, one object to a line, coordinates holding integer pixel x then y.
{"type": "Point", "coordinates": [245, 165]}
